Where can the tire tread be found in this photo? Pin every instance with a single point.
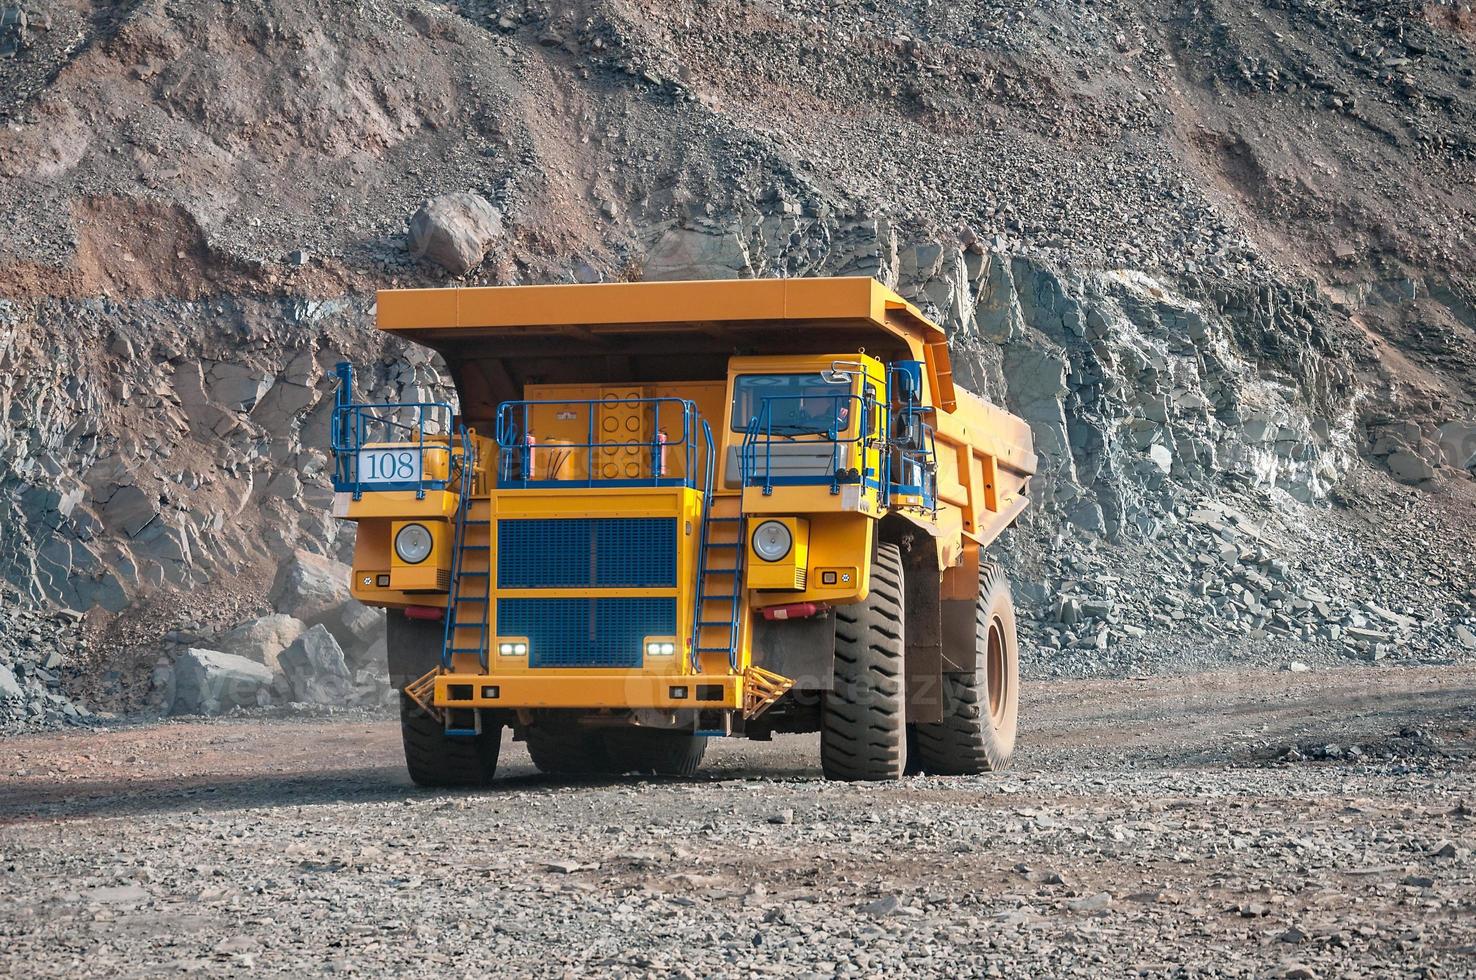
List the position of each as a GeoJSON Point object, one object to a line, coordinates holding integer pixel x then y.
{"type": "Point", "coordinates": [865, 737]}
{"type": "Point", "coordinates": [435, 760]}
{"type": "Point", "coordinates": [966, 742]}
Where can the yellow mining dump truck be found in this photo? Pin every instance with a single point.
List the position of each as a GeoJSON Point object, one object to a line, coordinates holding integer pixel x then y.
{"type": "Point", "coordinates": [663, 512]}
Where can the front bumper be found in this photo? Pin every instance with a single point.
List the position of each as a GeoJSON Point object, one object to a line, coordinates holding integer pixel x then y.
{"type": "Point", "coordinates": [709, 691]}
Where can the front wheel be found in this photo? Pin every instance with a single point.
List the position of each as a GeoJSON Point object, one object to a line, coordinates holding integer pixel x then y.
{"type": "Point", "coordinates": [438, 760]}
{"type": "Point", "coordinates": [980, 706]}
{"type": "Point", "coordinates": [863, 733]}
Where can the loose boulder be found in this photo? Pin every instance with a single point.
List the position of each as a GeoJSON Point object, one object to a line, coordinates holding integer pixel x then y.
{"type": "Point", "coordinates": [1458, 443]}
{"type": "Point", "coordinates": [310, 587]}
{"type": "Point", "coordinates": [131, 509]}
{"type": "Point", "coordinates": [207, 682]}
{"type": "Point", "coordinates": [684, 253]}
{"type": "Point", "coordinates": [1408, 467]}
{"type": "Point", "coordinates": [10, 688]}
{"type": "Point", "coordinates": [362, 623]}
{"type": "Point", "coordinates": [262, 639]}
{"type": "Point", "coordinates": [361, 634]}
{"type": "Point", "coordinates": [316, 670]}
{"type": "Point", "coordinates": [454, 231]}
{"type": "Point", "coordinates": [374, 657]}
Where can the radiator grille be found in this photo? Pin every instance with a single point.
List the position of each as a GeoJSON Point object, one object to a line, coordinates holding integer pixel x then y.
{"type": "Point", "coordinates": [586, 632]}
{"type": "Point", "coordinates": [571, 553]}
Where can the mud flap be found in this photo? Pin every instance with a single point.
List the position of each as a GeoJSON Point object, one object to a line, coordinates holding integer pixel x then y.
{"type": "Point", "coordinates": [800, 649]}
{"type": "Point", "coordinates": [413, 646]}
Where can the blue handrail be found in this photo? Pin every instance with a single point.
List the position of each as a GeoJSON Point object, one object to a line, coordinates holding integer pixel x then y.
{"type": "Point", "coordinates": [357, 426]}
{"type": "Point", "coordinates": [517, 445]}
{"type": "Point", "coordinates": [760, 434]}
{"type": "Point", "coordinates": [702, 551]}
{"type": "Point", "coordinates": [919, 463]}
{"type": "Point", "coordinates": [466, 474]}
{"type": "Point", "coordinates": [911, 441]}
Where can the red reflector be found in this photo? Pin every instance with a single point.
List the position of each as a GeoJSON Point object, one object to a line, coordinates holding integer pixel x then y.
{"type": "Point", "coordinates": [424, 612]}
{"type": "Point", "coordinates": [795, 610]}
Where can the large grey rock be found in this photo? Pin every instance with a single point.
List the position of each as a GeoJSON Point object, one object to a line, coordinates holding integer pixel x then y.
{"type": "Point", "coordinates": [207, 682]}
{"type": "Point", "coordinates": [1161, 457]}
{"type": "Point", "coordinates": [262, 639]}
{"type": "Point", "coordinates": [1409, 467]}
{"type": "Point", "coordinates": [238, 386]}
{"type": "Point", "coordinates": [997, 315]}
{"type": "Point", "coordinates": [1395, 435]}
{"type": "Point", "coordinates": [685, 253]}
{"type": "Point", "coordinates": [315, 668]}
{"type": "Point", "coordinates": [130, 509]}
{"type": "Point", "coordinates": [373, 657]}
{"type": "Point", "coordinates": [10, 688]}
{"type": "Point", "coordinates": [1260, 429]}
{"type": "Point", "coordinates": [454, 231]}
{"type": "Point", "coordinates": [311, 587]}
{"type": "Point", "coordinates": [362, 628]}
{"type": "Point", "coordinates": [1458, 442]}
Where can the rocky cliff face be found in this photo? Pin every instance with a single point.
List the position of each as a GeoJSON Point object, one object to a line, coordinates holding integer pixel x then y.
{"type": "Point", "coordinates": [1220, 259]}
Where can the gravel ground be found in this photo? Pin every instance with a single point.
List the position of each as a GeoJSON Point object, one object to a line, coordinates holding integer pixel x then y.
{"type": "Point", "coordinates": [1246, 824]}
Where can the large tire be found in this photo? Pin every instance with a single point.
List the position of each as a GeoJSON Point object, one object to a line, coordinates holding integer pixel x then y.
{"type": "Point", "coordinates": [438, 760]}
{"type": "Point", "coordinates": [863, 733]}
{"type": "Point", "coordinates": [560, 746]}
{"type": "Point", "coordinates": [654, 752]}
{"type": "Point", "coordinates": [980, 706]}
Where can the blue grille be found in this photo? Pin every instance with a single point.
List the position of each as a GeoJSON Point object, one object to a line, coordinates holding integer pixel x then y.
{"type": "Point", "coordinates": [572, 553]}
{"type": "Point", "coordinates": [586, 632]}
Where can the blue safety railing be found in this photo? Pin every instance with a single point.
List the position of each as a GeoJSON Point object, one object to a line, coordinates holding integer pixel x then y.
{"type": "Point", "coordinates": [734, 596]}
{"type": "Point", "coordinates": [521, 454]}
{"type": "Point", "coordinates": [828, 433]}
{"type": "Point", "coordinates": [457, 598]}
{"type": "Point", "coordinates": [913, 465]}
{"type": "Point", "coordinates": [384, 446]}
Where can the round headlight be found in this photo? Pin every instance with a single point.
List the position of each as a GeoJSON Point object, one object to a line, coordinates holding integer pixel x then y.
{"type": "Point", "coordinates": [413, 544]}
{"type": "Point", "coordinates": [772, 540]}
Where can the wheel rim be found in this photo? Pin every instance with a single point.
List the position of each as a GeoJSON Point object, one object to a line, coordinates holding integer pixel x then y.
{"type": "Point", "coordinates": [995, 669]}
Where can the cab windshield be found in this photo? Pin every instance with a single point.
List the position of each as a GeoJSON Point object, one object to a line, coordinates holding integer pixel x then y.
{"type": "Point", "coordinates": [799, 404]}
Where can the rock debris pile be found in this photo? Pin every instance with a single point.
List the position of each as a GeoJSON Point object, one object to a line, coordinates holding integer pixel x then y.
{"type": "Point", "coordinates": [321, 647]}
{"type": "Point", "coordinates": [36, 649]}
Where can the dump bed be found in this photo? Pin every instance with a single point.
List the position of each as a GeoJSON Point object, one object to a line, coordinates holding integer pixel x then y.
{"type": "Point", "coordinates": [498, 340]}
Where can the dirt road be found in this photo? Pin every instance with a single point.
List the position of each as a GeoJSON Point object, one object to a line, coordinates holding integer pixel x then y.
{"type": "Point", "coordinates": [1151, 827]}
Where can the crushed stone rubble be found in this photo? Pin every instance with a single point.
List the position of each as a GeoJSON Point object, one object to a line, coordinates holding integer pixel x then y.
{"type": "Point", "coordinates": [1157, 833]}
{"type": "Point", "coordinates": [36, 648]}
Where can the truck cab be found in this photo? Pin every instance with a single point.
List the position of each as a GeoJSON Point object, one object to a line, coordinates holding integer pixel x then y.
{"type": "Point", "coordinates": [665, 512]}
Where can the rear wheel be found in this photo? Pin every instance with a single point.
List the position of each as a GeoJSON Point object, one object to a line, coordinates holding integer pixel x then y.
{"type": "Point", "coordinates": [655, 752]}
{"type": "Point", "coordinates": [440, 760]}
{"type": "Point", "coordinates": [863, 733]}
{"type": "Point", "coordinates": [560, 746]}
{"type": "Point", "coordinates": [980, 706]}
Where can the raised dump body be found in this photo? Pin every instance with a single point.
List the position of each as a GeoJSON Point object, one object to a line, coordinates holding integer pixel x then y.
{"type": "Point", "coordinates": [663, 512]}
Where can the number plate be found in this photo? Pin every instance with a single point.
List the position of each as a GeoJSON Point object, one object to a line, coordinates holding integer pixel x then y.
{"type": "Point", "coordinates": [389, 466]}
